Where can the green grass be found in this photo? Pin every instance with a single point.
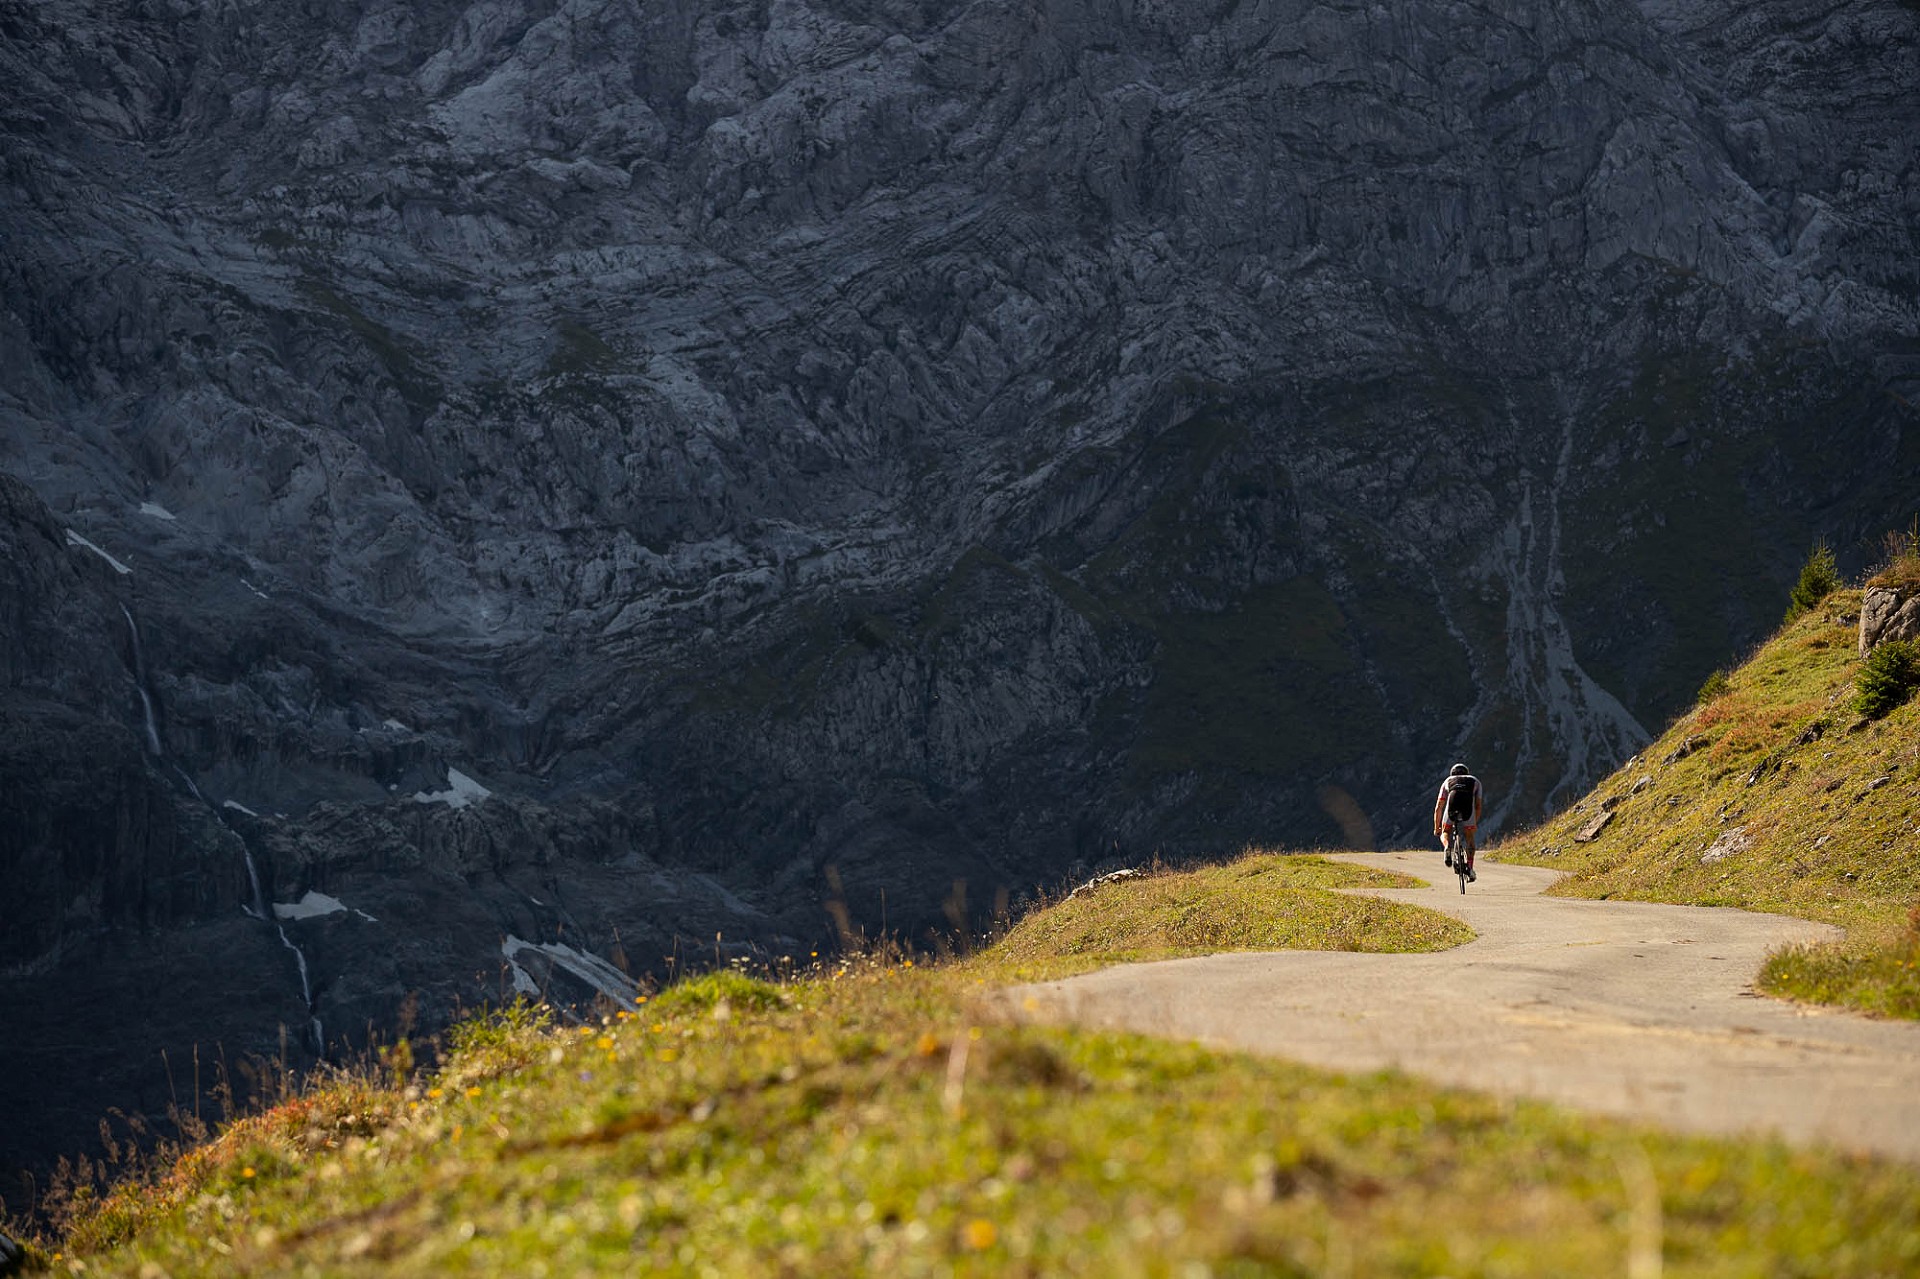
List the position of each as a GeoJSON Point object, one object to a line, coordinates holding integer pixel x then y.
{"type": "Point", "coordinates": [877, 1121]}
{"type": "Point", "coordinates": [1262, 901]}
{"type": "Point", "coordinates": [880, 1116]}
{"type": "Point", "coordinates": [1877, 973]}
{"type": "Point", "coordinates": [1789, 801]}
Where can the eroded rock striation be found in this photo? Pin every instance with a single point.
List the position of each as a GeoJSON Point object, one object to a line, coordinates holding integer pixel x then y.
{"type": "Point", "coordinates": [871, 453]}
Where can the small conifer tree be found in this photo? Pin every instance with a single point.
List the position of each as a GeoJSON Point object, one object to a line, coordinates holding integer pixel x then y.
{"type": "Point", "coordinates": [1819, 578]}
{"type": "Point", "coordinates": [1887, 678]}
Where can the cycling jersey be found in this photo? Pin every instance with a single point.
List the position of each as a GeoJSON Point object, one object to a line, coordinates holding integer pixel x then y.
{"type": "Point", "coordinates": [1460, 804]}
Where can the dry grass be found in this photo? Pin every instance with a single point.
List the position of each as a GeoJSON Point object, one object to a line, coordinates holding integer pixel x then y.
{"type": "Point", "coordinates": [1900, 560]}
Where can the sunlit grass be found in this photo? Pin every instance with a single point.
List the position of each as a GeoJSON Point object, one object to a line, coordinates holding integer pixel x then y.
{"type": "Point", "coordinates": [1777, 796]}
{"type": "Point", "coordinates": [1260, 901]}
{"type": "Point", "coordinates": [875, 1116]}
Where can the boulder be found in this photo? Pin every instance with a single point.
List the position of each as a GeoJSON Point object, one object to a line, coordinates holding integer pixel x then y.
{"type": "Point", "coordinates": [1889, 613]}
{"type": "Point", "coordinates": [1591, 831]}
{"type": "Point", "coordinates": [1685, 749]}
{"type": "Point", "coordinates": [1730, 844]}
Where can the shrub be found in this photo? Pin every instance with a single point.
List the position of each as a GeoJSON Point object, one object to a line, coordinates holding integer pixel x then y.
{"type": "Point", "coordinates": [723, 985]}
{"type": "Point", "coordinates": [1715, 687]}
{"type": "Point", "coordinates": [1887, 678]}
{"type": "Point", "coordinates": [1819, 578]}
{"type": "Point", "coordinates": [1900, 566]}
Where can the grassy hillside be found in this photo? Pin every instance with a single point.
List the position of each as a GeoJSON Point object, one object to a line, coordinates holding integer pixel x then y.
{"type": "Point", "coordinates": [1775, 795]}
{"type": "Point", "coordinates": [1219, 908]}
{"type": "Point", "coordinates": [874, 1117]}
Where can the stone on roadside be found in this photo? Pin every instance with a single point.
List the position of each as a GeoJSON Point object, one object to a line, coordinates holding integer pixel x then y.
{"type": "Point", "coordinates": [1591, 831]}
{"type": "Point", "coordinates": [1731, 843]}
{"type": "Point", "coordinates": [1873, 786]}
{"type": "Point", "coordinates": [1685, 749]}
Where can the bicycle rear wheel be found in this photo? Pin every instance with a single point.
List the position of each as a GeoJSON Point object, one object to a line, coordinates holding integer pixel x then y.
{"type": "Point", "coordinates": [1459, 860]}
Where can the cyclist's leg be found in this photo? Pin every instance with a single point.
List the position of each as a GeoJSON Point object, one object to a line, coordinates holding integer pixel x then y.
{"type": "Point", "coordinates": [1468, 833]}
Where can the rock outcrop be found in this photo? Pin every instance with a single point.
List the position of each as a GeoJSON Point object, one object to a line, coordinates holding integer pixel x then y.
{"type": "Point", "coordinates": [850, 457]}
{"type": "Point", "coordinates": [1889, 613]}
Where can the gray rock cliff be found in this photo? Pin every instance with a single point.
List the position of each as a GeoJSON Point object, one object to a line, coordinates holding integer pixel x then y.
{"type": "Point", "coordinates": [607, 473]}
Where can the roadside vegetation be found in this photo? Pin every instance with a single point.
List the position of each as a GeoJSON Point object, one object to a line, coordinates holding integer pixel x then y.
{"type": "Point", "coordinates": [1794, 787]}
{"type": "Point", "coordinates": [877, 1114]}
{"type": "Point", "coordinates": [1219, 908]}
{"type": "Point", "coordinates": [1900, 564]}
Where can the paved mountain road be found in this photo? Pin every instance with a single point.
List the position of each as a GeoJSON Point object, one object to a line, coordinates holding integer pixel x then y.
{"type": "Point", "coordinates": [1621, 1008]}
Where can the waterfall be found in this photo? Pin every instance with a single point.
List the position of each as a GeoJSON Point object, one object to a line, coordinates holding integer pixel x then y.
{"type": "Point", "coordinates": [260, 909]}
{"type": "Point", "coordinates": [264, 913]}
{"type": "Point", "coordinates": [140, 682]}
{"type": "Point", "coordinates": [306, 989]}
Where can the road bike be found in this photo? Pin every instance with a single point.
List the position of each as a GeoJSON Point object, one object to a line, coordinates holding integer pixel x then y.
{"type": "Point", "coordinates": [1454, 858]}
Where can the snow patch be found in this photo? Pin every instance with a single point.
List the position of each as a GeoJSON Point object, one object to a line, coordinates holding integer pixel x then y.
{"type": "Point", "coordinates": [591, 969]}
{"type": "Point", "coordinates": [157, 511]}
{"type": "Point", "coordinates": [239, 807]}
{"type": "Point", "coordinates": [311, 906]}
{"type": "Point", "coordinates": [74, 539]}
{"type": "Point", "coordinates": [395, 725]}
{"type": "Point", "coordinates": [461, 791]}
{"type": "Point", "coordinates": [256, 590]}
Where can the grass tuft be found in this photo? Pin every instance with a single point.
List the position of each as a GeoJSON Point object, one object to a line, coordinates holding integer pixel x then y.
{"type": "Point", "coordinates": [723, 986]}
{"type": "Point", "coordinates": [1900, 565]}
{"type": "Point", "coordinates": [1875, 975]}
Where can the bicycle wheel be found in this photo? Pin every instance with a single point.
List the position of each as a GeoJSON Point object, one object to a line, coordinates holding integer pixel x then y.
{"type": "Point", "coordinates": [1459, 861]}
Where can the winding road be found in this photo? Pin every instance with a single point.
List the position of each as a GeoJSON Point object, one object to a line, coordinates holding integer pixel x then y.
{"type": "Point", "coordinates": [1618, 1008]}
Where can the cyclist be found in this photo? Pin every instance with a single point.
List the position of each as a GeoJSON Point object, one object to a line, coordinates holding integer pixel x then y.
{"type": "Point", "coordinates": [1459, 805]}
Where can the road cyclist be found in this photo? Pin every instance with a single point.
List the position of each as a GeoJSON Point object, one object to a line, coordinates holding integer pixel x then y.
{"type": "Point", "coordinates": [1456, 816]}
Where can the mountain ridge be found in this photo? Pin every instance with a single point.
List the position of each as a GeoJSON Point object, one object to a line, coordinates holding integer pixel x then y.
{"type": "Point", "coordinates": [872, 456]}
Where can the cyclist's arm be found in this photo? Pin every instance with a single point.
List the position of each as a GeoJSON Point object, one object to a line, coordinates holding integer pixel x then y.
{"type": "Point", "coordinates": [1477, 805]}
{"type": "Point", "coordinates": [1439, 806]}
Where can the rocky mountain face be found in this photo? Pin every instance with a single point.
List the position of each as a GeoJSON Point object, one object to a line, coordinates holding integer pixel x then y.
{"type": "Point", "coordinates": [500, 493]}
